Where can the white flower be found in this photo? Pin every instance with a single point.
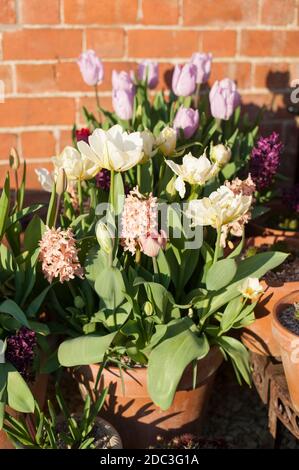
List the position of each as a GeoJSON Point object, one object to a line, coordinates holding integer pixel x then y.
{"type": "Point", "coordinates": [221, 154]}
{"type": "Point", "coordinates": [148, 144]}
{"type": "Point", "coordinates": [251, 288]}
{"type": "Point", "coordinates": [104, 237]}
{"type": "Point", "coordinates": [193, 171]}
{"type": "Point", "coordinates": [2, 351]}
{"type": "Point", "coordinates": [166, 141]}
{"type": "Point", "coordinates": [114, 149]}
{"type": "Point", "coordinates": [220, 208]}
{"type": "Point", "coordinates": [75, 164]}
{"type": "Point", "coordinates": [45, 178]}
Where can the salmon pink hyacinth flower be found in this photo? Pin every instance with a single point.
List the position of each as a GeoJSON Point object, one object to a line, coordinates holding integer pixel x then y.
{"type": "Point", "coordinates": [59, 255]}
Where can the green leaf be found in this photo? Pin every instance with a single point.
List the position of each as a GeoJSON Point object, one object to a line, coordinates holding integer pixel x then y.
{"type": "Point", "coordinates": [33, 233]}
{"type": "Point", "coordinates": [34, 306]}
{"type": "Point", "coordinates": [239, 357]}
{"type": "Point", "coordinates": [110, 287]}
{"type": "Point", "coordinates": [19, 395]}
{"type": "Point", "coordinates": [11, 308]}
{"type": "Point", "coordinates": [164, 270]}
{"type": "Point", "coordinates": [52, 208]}
{"type": "Point", "coordinates": [119, 193]}
{"type": "Point", "coordinates": [255, 266]}
{"type": "Point", "coordinates": [4, 206]}
{"type": "Point", "coordinates": [84, 350]}
{"type": "Point", "coordinates": [170, 358]}
{"type": "Point", "coordinates": [230, 313]}
{"type": "Point", "coordinates": [221, 274]}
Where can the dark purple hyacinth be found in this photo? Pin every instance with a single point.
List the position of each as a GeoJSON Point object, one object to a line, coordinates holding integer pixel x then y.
{"type": "Point", "coordinates": [265, 159]}
{"type": "Point", "coordinates": [20, 351]}
{"type": "Point", "coordinates": [82, 134]}
{"type": "Point", "coordinates": [103, 179]}
{"type": "Point", "coordinates": [290, 198]}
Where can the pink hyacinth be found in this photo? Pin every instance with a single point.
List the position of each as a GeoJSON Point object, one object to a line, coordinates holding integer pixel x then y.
{"type": "Point", "coordinates": [59, 255]}
{"type": "Point", "coordinates": [246, 187]}
{"type": "Point", "coordinates": [139, 223]}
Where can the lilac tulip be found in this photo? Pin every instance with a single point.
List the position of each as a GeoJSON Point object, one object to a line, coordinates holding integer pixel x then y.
{"type": "Point", "coordinates": [186, 119]}
{"type": "Point", "coordinates": [149, 70]}
{"type": "Point", "coordinates": [184, 80]}
{"type": "Point", "coordinates": [122, 81]}
{"type": "Point", "coordinates": [224, 98]}
{"type": "Point", "coordinates": [91, 68]}
{"type": "Point", "coordinates": [123, 103]}
{"type": "Point", "coordinates": [203, 63]}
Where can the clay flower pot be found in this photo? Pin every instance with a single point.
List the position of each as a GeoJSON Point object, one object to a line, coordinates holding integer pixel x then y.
{"type": "Point", "coordinates": [130, 409]}
{"type": "Point", "coordinates": [289, 347]}
{"type": "Point", "coordinates": [260, 227]}
{"type": "Point", "coordinates": [258, 336]}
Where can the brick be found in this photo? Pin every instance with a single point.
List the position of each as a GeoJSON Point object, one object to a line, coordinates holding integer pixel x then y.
{"type": "Point", "coordinates": [31, 177]}
{"type": "Point", "coordinates": [278, 12]}
{"type": "Point", "coordinates": [270, 43]}
{"type": "Point", "coordinates": [38, 144]}
{"type": "Point", "coordinates": [106, 42]}
{"type": "Point", "coordinates": [220, 13]}
{"type": "Point", "coordinates": [274, 108]}
{"type": "Point", "coordinates": [6, 77]}
{"type": "Point", "coordinates": [273, 76]}
{"type": "Point", "coordinates": [168, 12]}
{"type": "Point", "coordinates": [7, 12]}
{"type": "Point", "coordinates": [6, 142]}
{"type": "Point", "coordinates": [100, 12]}
{"type": "Point", "coordinates": [172, 43]}
{"type": "Point", "coordinates": [65, 138]}
{"type": "Point", "coordinates": [40, 11]}
{"type": "Point", "coordinates": [37, 111]}
{"type": "Point", "coordinates": [35, 78]}
{"type": "Point", "coordinates": [42, 44]}
{"type": "Point", "coordinates": [240, 72]}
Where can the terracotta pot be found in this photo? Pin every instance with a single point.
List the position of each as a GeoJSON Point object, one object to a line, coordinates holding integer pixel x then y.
{"type": "Point", "coordinates": [259, 241]}
{"type": "Point", "coordinates": [138, 420]}
{"type": "Point", "coordinates": [39, 390]}
{"type": "Point", "coordinates": [289, 347]}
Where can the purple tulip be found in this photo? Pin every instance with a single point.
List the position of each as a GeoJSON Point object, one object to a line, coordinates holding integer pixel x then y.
{"type": "Point", "coordinates": [122, 81]}
{"type": "Point", "coordinates": [186, 119]}
{"type": "Point", "coordinates": [184, 80]}
{"type": "Point", "coordinates": [224, 98]}
{"type": "Point", "coordinates": [91, 68]}
{"type": "Point", "coordinates": [203, 63]}
{"type": "Point", "coordinates": [149, 70]}
{"type": "Point", "coordinates": [123, 103]}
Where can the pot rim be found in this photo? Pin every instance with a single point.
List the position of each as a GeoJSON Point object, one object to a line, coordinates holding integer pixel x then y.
{"type": "Point", "coordinates": [281, 333]}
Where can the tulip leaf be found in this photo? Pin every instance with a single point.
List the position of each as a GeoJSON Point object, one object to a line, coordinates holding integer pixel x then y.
{"type": "Point", "coordinates": [221, 274]}
{"type": "Point", "coordinates": [19, 395]}
{"type": "Point", "coordinates": [11, 308]}
{"type": "Point", "coordinates": [238, 355]}
{"type": "Point", "coordinates": [84, 350]}
{"type": "Point", "coordinates": [169, 359]}
{"type": "Point", "coordinates": [4, 206]}
{"type": "Point", "coordinates": [110, 287]}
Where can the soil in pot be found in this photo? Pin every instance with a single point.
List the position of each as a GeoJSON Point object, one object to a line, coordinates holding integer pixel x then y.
{"type": "Point", "coordinates": [285, 327]}
{"type": "Point", "coordinates": [258, 336]}
{"type": "Point", "coordinates": [130, 409]}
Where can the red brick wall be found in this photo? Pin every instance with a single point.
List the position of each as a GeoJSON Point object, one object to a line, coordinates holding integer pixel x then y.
{"type": "Point", "coordinates": [255, 42]}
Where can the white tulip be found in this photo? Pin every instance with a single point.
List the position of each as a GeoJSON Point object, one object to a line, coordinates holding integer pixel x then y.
{"type": "Point", "coordinates": [2, 351]}
{"type": "Point", "coordinates": [166, 141]}
{"type": "Point", "coordinates": [251, 288]}
{"type": "Point", "coordinates": [45, 178]}
{"type": "Point", "coordinates": [193, 171]}
{"type": "Point", "coordinates": [220, 208]}
{"type": "Point", "coordinates": [77, 166]}
{"type": "Point", "coordinates": [115, 149]}
{"type": "Point", "coordinates": [104, 237]}
{"type": "Point", "coordinates": [221, 154]}
{"type": "Point", "coordinates": [148, 144]}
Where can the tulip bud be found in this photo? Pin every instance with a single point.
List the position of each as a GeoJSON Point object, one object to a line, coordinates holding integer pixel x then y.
{"type": "Point", "coordinates": [61, 182]}
{"type": "Point", "coordinates": [166, 141]}
{"type": "Point", "coordinates": [91, 68]}
{"type": "Point", "coordinates": [104, 237]}
{"type": "Point", "coordinates": [221, 154]}
{"type": "Point", "coordinates": [224, 98]}
{"type": "Point", "coordinates": [79, 302]}
{"type": "Point", "coordinates": [148, 143]}
{"type": "Point", "coordinates": [148, 308]}
{"type": "Point", "coordinates": [14, 159]}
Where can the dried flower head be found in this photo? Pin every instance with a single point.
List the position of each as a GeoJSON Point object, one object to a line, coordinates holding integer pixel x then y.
{"type": "Point", "coordinates": [265, 159]}
{"type": "Point", "coordinates": [20, 351]}
{"type": "Point", "coordinates": [139, 220]}
{"type": "Point", "coordinates": [59, 255]}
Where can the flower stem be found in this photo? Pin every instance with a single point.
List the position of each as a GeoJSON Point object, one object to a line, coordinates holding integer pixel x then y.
{"type": "Point", "coordinates": [98, 103]}
{"type": "Point", "coordinates": [155, 265]}
{"type": "Point", "coordinates": [17, 188]}
{"type": "Point", "coordinates": [111, 193]}
{"type": "Point", "coordinates": [58, 202]}
{"type": "Point", "coordinates": [197, 96]}
{"type": "Point", "coordinates": [139, 177]}
{"type": "Point", "coordinates": [137, 256]}
{"type": "Point", "coordinates": [217, 246]}
{"type": "Point", "coordinates": [80, 197]}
